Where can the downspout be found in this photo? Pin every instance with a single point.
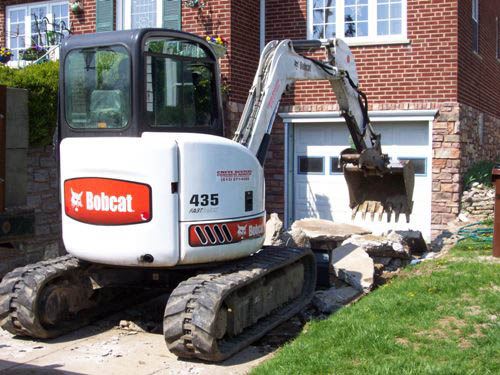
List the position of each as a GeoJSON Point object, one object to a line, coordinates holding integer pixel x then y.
{"type": "Point", "coordinates": [262, 24]}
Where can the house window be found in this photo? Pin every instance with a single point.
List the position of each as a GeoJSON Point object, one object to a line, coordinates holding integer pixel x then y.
{"type": "Point", "coordinates": [419, 165]}
{"type": "Point", "coordinates": [138, 14]}
{"type": "Point", "coordinates": [16, 31]}
{"type": "Point", "coordinates": [27, 24]}
{"type": "Point", "coordinates": [310, 165]}
{"type": "Point", "coordinates": [358, 21]}
{"type": "Point", "coordinates": [143, 14]}
{"type": "Point", "coordinates": [335, 167]}
{"type": "Point", "coordinates": [475, 26]}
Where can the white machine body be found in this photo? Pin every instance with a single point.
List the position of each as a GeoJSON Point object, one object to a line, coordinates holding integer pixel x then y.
{"type": "Point", "coordinates": [160, 200]}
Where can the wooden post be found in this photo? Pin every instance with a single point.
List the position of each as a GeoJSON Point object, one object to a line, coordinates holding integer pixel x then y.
{"type": "Point", "coordinates": [495, 176]}
{"type": "Point", "coordinates": [3, 126]}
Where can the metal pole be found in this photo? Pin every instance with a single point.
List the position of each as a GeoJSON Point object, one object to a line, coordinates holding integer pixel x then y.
{"type": "Point", "coordinates": [495, 177]}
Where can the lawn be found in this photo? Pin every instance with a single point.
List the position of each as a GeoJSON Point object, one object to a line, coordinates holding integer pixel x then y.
{"type": "Point", "coordinates": [438, 317]}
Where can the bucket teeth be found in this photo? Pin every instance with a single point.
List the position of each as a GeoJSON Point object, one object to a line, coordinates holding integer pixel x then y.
{"type": "Point", "coordinates": [377, 209]}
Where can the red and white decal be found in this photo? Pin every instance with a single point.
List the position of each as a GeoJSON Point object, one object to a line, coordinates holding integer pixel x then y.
{"type": "Point", "coordinates": [106, 201]}
{"type": "Point", "coordinates": [233, 176]}
{"type": "Point", "coordinates": [227, 232]}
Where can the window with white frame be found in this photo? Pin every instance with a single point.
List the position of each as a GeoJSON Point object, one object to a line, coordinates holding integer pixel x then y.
{"type": "Point", "coordinates": [357, 21]}
{"type": "Point", "coordinates": [27, 24]}
{"type": "Point", "coordinates": [137, 14]}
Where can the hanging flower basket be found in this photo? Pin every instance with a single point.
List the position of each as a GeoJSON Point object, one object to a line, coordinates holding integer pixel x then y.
{"type": "Point", "coordinates": [218, 44]}
{"type": "Point", "coordinates": [5, 55]}
{"type": "Point", "coordinates": [75, 6]}
{"type": "Point", "coordinates": [32, 53]}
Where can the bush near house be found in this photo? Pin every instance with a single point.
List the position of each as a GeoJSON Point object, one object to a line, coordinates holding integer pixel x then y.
{"type": "Point", "coordinates": [480, 172]}
{"type": "Point", "coordinates": [42, 82]}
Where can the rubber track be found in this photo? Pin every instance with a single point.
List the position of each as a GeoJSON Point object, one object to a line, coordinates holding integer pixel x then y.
{"type": "Point", "coordinates": [192, 308]}
{"type": "Point", "coordinates": [18, 297]}
{"type": "Point", "coordinates": [20, 288]}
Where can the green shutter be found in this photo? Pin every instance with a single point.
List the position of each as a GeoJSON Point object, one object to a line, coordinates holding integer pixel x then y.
{"type": "Point", "coordinates": [172, 14]}
{"type": "Point", "coordinates": [104, 15]}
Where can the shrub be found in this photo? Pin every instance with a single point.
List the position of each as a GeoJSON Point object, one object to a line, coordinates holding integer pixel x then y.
{"type": "Point", "coordinates": [42, 82]}
{"type": "Point", "coordinates": [479, 172]}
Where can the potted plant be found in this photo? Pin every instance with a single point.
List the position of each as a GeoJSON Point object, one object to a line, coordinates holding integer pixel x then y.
{"type": "Point", "coordinates": [218, 44]}
{"type": "Point", "coordinates": [5, 55]}
{"type": "Point", "coordinates": [32, 53]}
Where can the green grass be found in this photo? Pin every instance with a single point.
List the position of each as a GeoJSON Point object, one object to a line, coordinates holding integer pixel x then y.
{"type": "Point", "coordinates": [439, 317]}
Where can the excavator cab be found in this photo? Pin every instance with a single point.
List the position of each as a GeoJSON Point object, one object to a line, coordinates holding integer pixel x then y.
{"type": "Point", "coordinates": [125, 83]}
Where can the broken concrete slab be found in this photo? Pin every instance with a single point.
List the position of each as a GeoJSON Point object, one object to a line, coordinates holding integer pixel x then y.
{"type": "Point", "coordinates": [353, 265]}
{"type": "Point", "coordinates": [274, 230]}
{"type": "Point", "coordinates": [394, 244]}
{"type": "Point", "coordinates": [327, 301]}
{"type": "Point", "coordinates": [325, 230]}
{"type": "Point", "coordinates": [379, 246]}
{"type": "Point", "coordinates": [412, 239]}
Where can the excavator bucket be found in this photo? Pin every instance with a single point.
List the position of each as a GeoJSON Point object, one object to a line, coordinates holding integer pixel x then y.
{"type": "Point", "coordinates": [374, 193]}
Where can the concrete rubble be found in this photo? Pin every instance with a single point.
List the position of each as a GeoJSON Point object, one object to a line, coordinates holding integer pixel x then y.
{"type": "Point", "coordinates": [351, 261]}
{"type": "Point", "coordinates": [353, 265]}
{"type": "Point", "coordinates": [330, 300]}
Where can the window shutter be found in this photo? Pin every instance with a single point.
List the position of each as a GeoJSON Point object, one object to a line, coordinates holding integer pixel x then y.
{"type": "Point", "coordinates": [104, 15]}
{"type": "Point", "coordinates": [172, 14]}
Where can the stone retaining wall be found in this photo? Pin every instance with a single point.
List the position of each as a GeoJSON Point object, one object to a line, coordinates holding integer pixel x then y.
{"type": "Point", "coordinates": [478, 203]}
{"type": "Point", "coordinates": [43, 198]}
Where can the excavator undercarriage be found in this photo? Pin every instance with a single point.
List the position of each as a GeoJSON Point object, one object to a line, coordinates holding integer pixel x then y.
{"type": "Point", "coordinates": [209, 316]}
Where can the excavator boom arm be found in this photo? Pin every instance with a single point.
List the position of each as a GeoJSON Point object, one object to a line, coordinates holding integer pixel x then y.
{"type": "Point", "coordinates": [280, 66]}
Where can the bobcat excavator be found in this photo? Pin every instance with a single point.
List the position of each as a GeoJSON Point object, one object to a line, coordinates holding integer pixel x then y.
{"type": "Point", "coordinates": [154, 198]}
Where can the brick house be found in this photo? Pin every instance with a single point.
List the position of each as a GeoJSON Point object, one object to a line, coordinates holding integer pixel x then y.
{"type": "Point", "coordinates": [430, 68]}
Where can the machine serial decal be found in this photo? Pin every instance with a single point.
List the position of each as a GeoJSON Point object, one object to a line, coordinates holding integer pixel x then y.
{"type": "Point", "coordinates": [204, 200]}
{"type": "Point", "coordinates": [234, 176]}
{"type": "Point", "coordinates": [226, 233]}
{"type": "Point", "coordinates": [105, 201]}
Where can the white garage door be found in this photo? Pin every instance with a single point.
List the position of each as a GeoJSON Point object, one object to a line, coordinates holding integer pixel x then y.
{"type": "Point", "coordinates": [320, 189]}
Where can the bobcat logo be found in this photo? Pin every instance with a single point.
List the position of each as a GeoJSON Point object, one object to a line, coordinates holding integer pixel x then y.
{"type": "Point", "coordinates": [76, 200]}
{"type": "Point", "coordinates": [242, 230]}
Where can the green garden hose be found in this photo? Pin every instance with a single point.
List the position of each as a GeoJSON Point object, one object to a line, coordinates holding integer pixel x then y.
{"type": "Point", "coordinates": [479, 231]}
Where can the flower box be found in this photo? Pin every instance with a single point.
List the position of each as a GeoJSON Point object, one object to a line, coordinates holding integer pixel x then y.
{"type": "Point", "coordinates": [33, 53]}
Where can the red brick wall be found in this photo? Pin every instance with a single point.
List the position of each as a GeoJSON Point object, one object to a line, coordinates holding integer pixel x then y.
{"type": "Point", "coordinates": [238, 22]}
{"type": "Point", "coordinates": [479, 74]}
{"type": "Point", "coordinates": [84, 22]}
{"type": "Point", "coordinates": [423, 70]}
{"type": "Point", "coordinates": [245, 40]}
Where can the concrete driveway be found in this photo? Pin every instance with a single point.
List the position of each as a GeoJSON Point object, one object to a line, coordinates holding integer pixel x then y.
{"type": "Point", "coordinates": [105, 348]}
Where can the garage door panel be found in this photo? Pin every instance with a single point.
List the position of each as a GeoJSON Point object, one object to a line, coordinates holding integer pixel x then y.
{"type": "Point", "coordinates": [416, 134]}
{"type": "Point", "coordinates": [325, 195]}
{"type": "Point", "coordinates": [316, 136]}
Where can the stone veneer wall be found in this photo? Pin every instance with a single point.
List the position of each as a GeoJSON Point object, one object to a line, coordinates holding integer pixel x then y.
{"type": "Point", "coordinates": [462, 136]}
{"type": "Point", "coordinates": [43, 198]}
